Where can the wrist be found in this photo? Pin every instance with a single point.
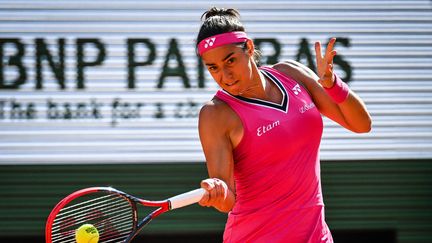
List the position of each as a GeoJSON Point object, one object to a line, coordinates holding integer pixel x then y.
{"type": "Point", "coordinates": [227, 204]}
{"type": "Point", "coordinates": [339, 91]}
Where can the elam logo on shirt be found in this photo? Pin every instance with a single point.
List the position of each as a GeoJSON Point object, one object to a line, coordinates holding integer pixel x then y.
{"type": "Point", "coordinates": [266, 128]}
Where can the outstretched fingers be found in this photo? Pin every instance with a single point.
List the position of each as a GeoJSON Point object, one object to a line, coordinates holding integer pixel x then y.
{"type": "Point", "coordinates": [330, 46]}
{"type": "Point", "coordinates": [318, 52]}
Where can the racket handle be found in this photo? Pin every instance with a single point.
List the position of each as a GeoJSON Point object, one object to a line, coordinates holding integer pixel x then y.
{"type": "Point", "coordinates": [187, 198]}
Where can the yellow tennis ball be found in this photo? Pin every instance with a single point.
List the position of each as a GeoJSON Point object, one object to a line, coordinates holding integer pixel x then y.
{"type": "Point", "coordinates": [87, 233]}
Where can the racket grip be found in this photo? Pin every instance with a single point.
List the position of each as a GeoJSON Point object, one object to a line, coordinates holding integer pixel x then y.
{"type": "Point", "coordinates": [187, 198]}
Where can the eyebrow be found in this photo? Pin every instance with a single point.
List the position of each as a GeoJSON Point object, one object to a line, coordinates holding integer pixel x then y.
{"type": "Point", "coordinates": [228, 56]}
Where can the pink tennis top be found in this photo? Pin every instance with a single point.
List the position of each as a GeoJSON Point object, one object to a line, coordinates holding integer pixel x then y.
{"type": "Point", "coordinates": [277, 168]}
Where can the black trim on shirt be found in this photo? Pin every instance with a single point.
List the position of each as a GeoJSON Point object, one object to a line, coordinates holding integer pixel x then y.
{"type": "Point", "coordinates": [284, 104]}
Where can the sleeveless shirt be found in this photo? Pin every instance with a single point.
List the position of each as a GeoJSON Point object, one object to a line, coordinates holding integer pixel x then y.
{"type": "Point", "coordinates": [277, 168]}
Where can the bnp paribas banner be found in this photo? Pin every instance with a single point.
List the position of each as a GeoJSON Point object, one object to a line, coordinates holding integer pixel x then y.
{"type": "Point", "coordinates": [74, 67]}
{"type": "Point", "coordinates": [121, 83]}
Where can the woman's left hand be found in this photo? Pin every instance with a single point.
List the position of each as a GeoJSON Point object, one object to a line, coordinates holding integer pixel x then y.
{"type": "Point", "coordinates": [325, 63]}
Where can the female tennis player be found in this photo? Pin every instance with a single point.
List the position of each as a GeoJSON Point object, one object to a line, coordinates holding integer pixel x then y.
{"type": "Point", "coordinates": [261, 135]}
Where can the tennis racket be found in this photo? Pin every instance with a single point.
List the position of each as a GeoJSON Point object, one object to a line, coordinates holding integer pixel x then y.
{"type": "Point", "coordinates": [113, 212]}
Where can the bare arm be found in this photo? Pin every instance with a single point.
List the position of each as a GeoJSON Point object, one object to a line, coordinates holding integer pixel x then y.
{"type": "Point", "coordinates": [214, 131]}
{"type": "Point", "coordinates": [351, 114]}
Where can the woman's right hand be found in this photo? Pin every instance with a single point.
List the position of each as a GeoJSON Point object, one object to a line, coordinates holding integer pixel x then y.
{"type": "Point", "coordinates": [217, 195]}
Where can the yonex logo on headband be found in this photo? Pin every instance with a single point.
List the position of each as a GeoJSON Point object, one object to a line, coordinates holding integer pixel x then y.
{"type": "Point", "coordinates": [209, 42]}
{"type": "Point", "coordinates": [222, 39]}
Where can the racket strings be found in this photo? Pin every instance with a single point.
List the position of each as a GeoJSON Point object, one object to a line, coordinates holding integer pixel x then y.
{"type": "Point", "coordinates": [120, 220]}
{"type": "Point", "coordinates": [85, 204]}
{"type": "Point", "coordinates": [78, 215]}
{"type": "Point", "coordinates": [111, 214]}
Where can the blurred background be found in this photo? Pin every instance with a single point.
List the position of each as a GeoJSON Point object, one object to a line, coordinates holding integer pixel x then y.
{"type": "Point", "coordinates": [97, 93]}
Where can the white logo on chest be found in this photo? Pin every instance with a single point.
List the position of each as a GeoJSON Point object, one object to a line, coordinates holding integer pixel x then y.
{"type": "Point", "coordinates": [263, 129]}
{"type": "Point", "coordinates": [306, 107]}
{"type": "Point", "coordinates": [296, 89]}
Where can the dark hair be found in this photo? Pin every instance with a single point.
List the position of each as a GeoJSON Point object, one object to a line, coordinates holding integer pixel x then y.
{"type": "Point", "coordinates": [220, 20]}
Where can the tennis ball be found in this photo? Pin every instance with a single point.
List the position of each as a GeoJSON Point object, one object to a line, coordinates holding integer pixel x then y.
{"type": "Point", "coordinates": [86, 233]}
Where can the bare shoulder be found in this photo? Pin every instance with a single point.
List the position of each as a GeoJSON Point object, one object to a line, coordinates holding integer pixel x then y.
{"type": "Point", "coordinates": [215, 108]}
{"type": "Point", "coordinates": [295, 69]}
{"type": "Point", "coordinates": [217, 114]}
{"type": "Point", "coordinates": [287, 65]}
{"type": "Point", "coordinates": [301, 74]}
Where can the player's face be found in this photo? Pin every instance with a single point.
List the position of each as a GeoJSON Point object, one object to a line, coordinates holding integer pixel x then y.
{"type": "Point", "coordinates": [230, 66]}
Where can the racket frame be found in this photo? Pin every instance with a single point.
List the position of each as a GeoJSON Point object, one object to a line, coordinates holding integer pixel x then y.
{"type": "Point", "coordinates": [162, 207]}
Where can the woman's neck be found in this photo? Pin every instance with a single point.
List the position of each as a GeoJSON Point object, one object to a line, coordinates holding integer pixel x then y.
{"type": "Point", "coordinates": [260, 87]}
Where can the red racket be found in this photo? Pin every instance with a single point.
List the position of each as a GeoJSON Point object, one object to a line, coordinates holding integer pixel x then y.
{"type": "Point", "coordinates": [112, 212]}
